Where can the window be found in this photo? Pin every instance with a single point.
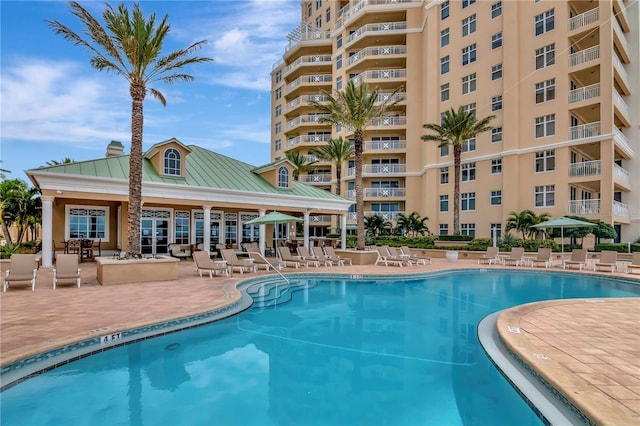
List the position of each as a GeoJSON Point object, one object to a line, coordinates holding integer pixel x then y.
{"type": "Point", "coordinates": [339, 83]}
{"type": "Point", "coordinates": [468, 229]}
{"type": "Point", "coordinates": [87, 222]}
{"type": "Point", "coordinates": [444, 37]}
{"type": "Point", "coordinates": [182, 235]}
{"type": "Point", "coordinates": [546, 91]}
{"type": "Point", "coordinates": [278, 128]}
{"type": "Point", "coordinates": [444, 229]}
{"type": "Point", "coordinates": [444, 203]}
{"type": "Point", "coordinates": [496, 10]}
{"type": "Point", "coordinates": [545, 126]}
{"type": "Point", "coordinates": [496, 40]}
{"type": "Point", "coordinates": [496, 72]}
{"type": "Point", "coordinates": [278, 93]}
{"type": "Point", "coordinates": [444, 92]}
{"type": "Point", "coordinates": [496, 166]}
{"type": "Point", "coordinates": [545, 161]}
{"type": "Point", "coordinates": [328, 14]}
{"type": "Point", "coordinates": [496, 230]}
{"type": "Point", "coordinates": [278, 76]}
{"type": "Point", "coordinates": [545, 22]}
{"type": "Point", "coordinates": [496, 134]}
{"type": "Point", "coordinates": [469, 25]}
{"type": "Point", "coordinates": [496, 198]}
{"type": "Point", "coordinates": [339, 41]}
{"type": "Point", "coordinates": [444, 65]}
{"type": "Point", "coordinates": [545, 196]}
{"type": "Point", "coordinates": [318, 4]}
{"type": "Point", "coordinates": [278, 145]}
{"type": "Point", "coordinates": [469, 83]}
{"type": "Point", "coordinates": [545, 56]}
{"type": "Point", "coordinates": [444, 150]}
{"type": "Point", "coordinates": [496, 103]}
{"type": "Point", "coordinates": [466, 3]}
{"type": "Point", "coordinates": [319, 22]}
{"type": "Point", "coordinates": [339, 62]}
{"type": "Point", "coordinates": [309, 10]}
{"type": "Point", "coordinates": [470, 107]}
{"type": "Point", "coordinates": [283, 177]}
{"type": "Point", "coordinates": [444, 175]}
{"type": "Point", "coordinates": [468, 172]}
{"type": "Point", "coordinates": [468, 201]}
{"type": "Point", "coordinates": [444, 10]}
{"type": "Point", "coordinates": [469, 145]}
{"type": "Point", "coordinates": [278, 110]}
{"type": "Point", "coordinates": [469, 54]}
{"type": "Point", "coordinates": [172, 162]}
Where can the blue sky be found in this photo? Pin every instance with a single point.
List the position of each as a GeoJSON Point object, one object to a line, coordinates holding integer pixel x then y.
{"type": "Point", "coordinates": [55, 105]}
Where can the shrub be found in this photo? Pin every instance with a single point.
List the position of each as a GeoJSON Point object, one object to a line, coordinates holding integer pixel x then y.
{"type": "Point", "coordinates": [454, 237]}
{"type": "Point", "coordinates": [620, 248]}
{"type": "Point", "coordinates": [7, 250]}
{"type": "Point", "coordinates": [534, 245]}
{"type": "Point", "coordinates": [479, 244]}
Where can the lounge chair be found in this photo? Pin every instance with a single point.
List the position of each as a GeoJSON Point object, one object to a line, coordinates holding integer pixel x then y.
{"type": "Point", "coordinates": [385, 258]}
{"type": "Point", "coordinates": [635, 263]}
{"type": "Point", "coordinates": [542, 258]}
{"type": "Point", "coordinates": [319, 254]}
{"type": "Point", "coordinates": [303, 254]}
{"type": "Point", "coordinates": [260, 262]}
{"type": "Point", "coordinates": [240, 265]}
{"type": "Point", "coordinates": [425, 260]}
{"type": "Point", "coordinates": [289, 260]}
{"type": "Point", "coordinates": [578, 258]}
{"type": "Point", "coordinates": [397, 254]}
{"type": "Point", "coordinates": [66, 270]}
{"type": "Point", "coordinates": [608, 259]}
{"type": "Point", "coordinates": [516, 257]}
{"type": "Point", "coordinates": [22, 271]}
{"type": "Point", "coordinates": [176, 250]}
{"type": "Point", "coordinates": [331, 254]}
{"type": "Point", "coordinates": [490, 257]}
{"type": "Point", "coordinates": [204, 264]}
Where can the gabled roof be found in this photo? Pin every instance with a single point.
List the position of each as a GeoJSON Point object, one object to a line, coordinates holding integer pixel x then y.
{"type": "Point", "coordinates": [272, 166]}
{"type": "Point", "coordinates": [155, 147]}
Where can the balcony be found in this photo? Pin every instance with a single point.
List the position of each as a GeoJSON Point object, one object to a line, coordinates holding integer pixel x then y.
{"type": "Point", "coordinates": [378, 193]}
{"type": "Point", "coordinates": [584, 131]}
{"type": "Point", "coordinates": [349, 12]}
{"type": "Point", "coordinates": [387, 97]}
{"type": "Point", "coordinates": [621, 209]}
{"type": "Point", "coordinates": [582, 207]}
{"type": "Point", "coordinates": [376, 52]}
{"type": "Point", "coordinates": [385, 145]}
{"type": "Point", "coordinates": [584, 93]}
{"type": "Point", "coordinates": [377, 29]}
{"type": "Point", "coordinates": [379, 170]}
{"type": "Point", "coordinates": [320, 218]}
{"type": "Point", "coordinates": [623, 107]}
{"type": "Point", "coordinates": [389, 121]}
{"type": "Point", "coordinates": [321, 178]}
{"type": "Point", "coordinates": [379, 75]}
{"type": "Point", "coordinates": [584, 19]}
{"type": "Point", "coordinates": [306, 119]}
{"type": "Point", "coordinates": [305, 100]}
{"type": "Point", "coordinates": [584, 56]}
{"type": "Point", "coordinates": [586, 168]}
{"type": "Point", "coordinates": [620, 41]}
{"type": "Point", "coordinates": [318, 79]}
{"type": "Point", "coordinates": [308, 139]}
{"type": "Point", "coordinates": [390, 216]}
{"type": "Point", "coordinates": [304, 35]}
{"type": "Point", "coordinates": [623, 143]}
{"type": "Point", "coordinates": [622, 74]}
{"type": "Point", "coordinates": [622, 176]}
{"type": "Point", "coordinates": [308, 60]}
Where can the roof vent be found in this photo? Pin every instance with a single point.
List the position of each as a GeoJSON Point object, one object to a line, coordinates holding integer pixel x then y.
{"type": "Point", "coordinates": [115, 149]}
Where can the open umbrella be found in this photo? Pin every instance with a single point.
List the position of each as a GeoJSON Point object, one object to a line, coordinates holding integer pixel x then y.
{"type": "Point", "coordinates": [274, 218]}
{"type": "Point", "coordinates": [563, 222]}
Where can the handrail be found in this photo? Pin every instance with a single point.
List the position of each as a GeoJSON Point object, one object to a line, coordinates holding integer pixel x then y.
{"type": "Point", "coordinates": [270, 264]}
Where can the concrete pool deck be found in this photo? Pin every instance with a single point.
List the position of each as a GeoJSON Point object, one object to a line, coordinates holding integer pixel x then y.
{"type": "Point", "coordinates": [592, 350]}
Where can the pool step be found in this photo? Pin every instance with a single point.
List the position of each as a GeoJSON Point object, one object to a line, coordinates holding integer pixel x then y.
{"type": "Point", "coordinates": [276, 293]}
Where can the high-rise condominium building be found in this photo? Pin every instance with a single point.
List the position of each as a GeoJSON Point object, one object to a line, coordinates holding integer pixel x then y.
{"type": "Point", "coordinates": [561, 77]}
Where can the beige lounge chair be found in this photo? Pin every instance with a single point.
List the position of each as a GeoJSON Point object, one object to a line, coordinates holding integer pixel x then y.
{"type": "Point", "coordinates": [490, 257]}
{"type": "Point", "coordinates": [608, 259]}
{"type": "Point", "coordinates": [397, 254]}
{"type": "Point", "coordinates": [176, 250]}
{"type": "Point", "coordinates": [205, 264]}
{"type": "Point", "coordinates": [331, 254]}
{"type": "Point", "coordinates": [543, 258]}
{"type": "Point", "coordinates": [22, 271]}
{"type": "Point", "coordinates": [319, 254]}
{"type": "Point", "coordinates": [635, 263]}
{"type": "Point", "coordinates": [425, 260]}
{"type": "Point", "coordinates": [260, 262]}
{"type": "Point", "coordinates": [66, 270]}
{"type": "Point", "coordinates": [578, 258]}
{"type": "Point", "coordinates": [303, 254]}
{"type": "Point", "coordinates": [516, 257]}
{"type": "Point", "coordinates": [240, 265]}
{"type": "Point", "coordinates": [290, 260]}
{"type": "Point", "coordinates": [385, 258]}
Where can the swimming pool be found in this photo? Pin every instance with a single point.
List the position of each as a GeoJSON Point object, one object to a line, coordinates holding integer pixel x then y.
{"type": "Point", "coordinates": [399, 350]}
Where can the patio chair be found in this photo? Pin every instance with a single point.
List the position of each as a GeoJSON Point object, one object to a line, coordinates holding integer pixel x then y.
{"type": "Point", "coordinates": [66, 270]}
{"type": "Point", "coordinates": [542, 258]}
{"type": "Point", "coordinates": [319, 254]}
{"type": "Point", "coordinates": [385, 258]}
{"type": "Point", "coordinates": [290, 260]}
{"type": "Point", "coordinates": [490, 257]}
{"type": "Point", "coordinates": [516, 257]}
{"type": "Point", "coordinates": [425, 260]}
{"type": "Point", "coordinates": [260, 262]}
{"type": "Point", "coordinates": [22, 271]}
{"type": "Point", "coordinates": [176, 250]}
{"type": "Point", "coordinates": [578, 258]}
{"type": "Point", "coordinates": [331, 254]}
{"type": "Point", "coordinates": [98, 245]}
{"type": "Point", "coordinates": [608, 260]}
{"type": "Point", "coordinates": [397, 254]}
{"type": "Point", "coordinates": [635, 263]}
{"type": "Point", "coordinates": [303, 254]}
{"type": "Point", "coordinates": [204, 264]}
{"type": "Point", "coordinates": [240, 265]}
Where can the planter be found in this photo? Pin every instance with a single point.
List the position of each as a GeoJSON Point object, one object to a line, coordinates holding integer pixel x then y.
{"type": "Point", "coordinates": [359, 257]}
{"type": "Point", "coordinates": [452, 255]}
{"type": "Point", "coordinates": [114, 271]}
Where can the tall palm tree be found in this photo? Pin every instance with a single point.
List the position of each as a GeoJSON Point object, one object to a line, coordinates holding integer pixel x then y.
{"type": "Point", "coordinates": [454, 129]}
{"type": "Point", "coordinates": [412, 224]}
{"type": "Point", "coordinates": [65, 160]}
{"type": "Point", "coordinates": [301, 163]}
{"type": "Point", "coordinates": [356, 107]}
{"type": "Point", "coordinates": [337, 151]}
{"type": "Point", "coordinates": [130, 45]}
{"type": "Point", "coordinates": [521, 222]}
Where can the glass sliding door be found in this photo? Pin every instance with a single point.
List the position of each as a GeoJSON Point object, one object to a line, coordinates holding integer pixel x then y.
{"type": "Point", "coordinates": [154, 231]}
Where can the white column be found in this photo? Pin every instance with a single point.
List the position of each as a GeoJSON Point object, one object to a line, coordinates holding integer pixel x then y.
{"type": "Point", "coordinates": [306, 228]}
{"type": "Point", "coordinates": [262, 228]}
{"type": "Point", "coordinates": [343, 230]}
{"type": "Point", "coordinates": [47, 231]}
{"type": "Point", "coordinates": [206, 241]}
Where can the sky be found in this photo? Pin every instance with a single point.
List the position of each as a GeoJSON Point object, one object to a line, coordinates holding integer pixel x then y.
{"type": "Point", "coordinates": [54, 105]}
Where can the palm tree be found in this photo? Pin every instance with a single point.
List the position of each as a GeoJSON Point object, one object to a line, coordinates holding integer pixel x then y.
{"type": "Point", "coordinates": [356, 107]}
{"type": "Point", "coordinates": [131, 47]}
{"type": "Point", "coordinates": [337, 151]}
{"type": "Point", "coordinates": [521, 222]}
{"type": "Point", "coordinates": [412, 224]}
{"type": "Point", "coordinates": [301, 163]}
{"type": "Point", "coordinates": [455, 128]}
{"type": "Point", "coordinates": [3, 172]}
{"type": "Point", "coordinates": [376, 224]}
{"type": "Point", "coordinates": [19, 206]}
{"type": "Point", "coordinates": [65, 160]}
{"type": "Point", "coordinates": [542, 217]}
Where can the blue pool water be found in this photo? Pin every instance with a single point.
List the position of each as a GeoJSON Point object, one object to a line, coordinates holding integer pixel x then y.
{"type": "Point", "coordinates": [362, 352]}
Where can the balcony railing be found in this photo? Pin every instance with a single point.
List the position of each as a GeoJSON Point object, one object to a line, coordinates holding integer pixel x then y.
{"type": "Point", "coordinates": [621, 174]}
{"type": "Point", "coordinates": [378, 169]}
{"type": "Point", "coordinates": [621, 35]}
{"type": "Point", "coordinates": [620, 66]}
{"type": "Point", "coordinates": [390, 216]}
{"type": "Point", "coordinates": [310, 79]}
{"type": "Point", "coordinates": [620, 209]}
{"type": "Point", "coordinates": [306, 99]}
{"type": "Point", "coordinates": [386, 96]}
{"type": "Point", "coordinates": [379, 75]}
{"type": "Point", "coordinates": [622, 141]}
{"type": "Point", "coordinates": [584, 93]}
{"type": "Point", "coordinates": [297, 36]}
{"type": "Point", "coordinates": [584, 56]}
{"type": "Point", "coordinates": [585, 168]}
{"type": "Point", "coordinates": [384, 145]}
{"type": "Point", "coordinates": [378, 193]}
{"type": "Point", "coordinates": [317, 178]}
{"type": "Point", "coordinates": [310, 59]}
{"type": "Point", "coordinates": [390, 121]}
{"type": "Point", "coordinates": [584, 19]}
{"type": "Point", "coordinates": [377, 51]}
{"type": "Point", "coordinates": [320, 218]}
{"type": "Point", "coordinates": [384, 27]}
{"type": "Point", "coordinates": [315, 118]}
{"type": "Point", "coordinates": [308, 139]}
{"type": "Point", "coordinates": [584, 131]}
{"type": "Point", "coordinates": [579, 207]}
{"type": "Point", "coordinates": [351, 11]}
{"type": "Point", "coordinates": [621, 103]}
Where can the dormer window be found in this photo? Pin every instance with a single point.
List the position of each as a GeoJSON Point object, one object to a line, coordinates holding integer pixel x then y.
{"type": "Point", "coordinates": [283, 177]}
{"type": "Point", "coordinates": [172, 162]}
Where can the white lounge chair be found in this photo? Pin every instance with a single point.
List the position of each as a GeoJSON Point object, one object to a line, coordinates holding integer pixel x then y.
{"type": "Point", "coordinates": [425, 260]}
{"type": "Point", "coordinates": [303, 254]}
{"type": "Point", "coordinates": [321, 256]}
{"type": "Point", "coordinates": [290, 260]}
{"type": "Point", "coordinates": [240, 265]}
{"type": "Point", "coordinates": [66, 270]}
{"type": "Point", "coordinates": [635, 263]}
{"type": "Point", "coordinates": [22, 271]}
{"type": "Point", "coordinates": [261, 262]}
{"type": "Point", "coordinates": [490, 257]}
{"type": "Point", "coordinates": [331, 254]}
{"type": "Point", "coordinates": [543, 258]}
{"type": "Point", "coordinates": [516, 257]}
{"type": "Point", "coordinates": [385, 258]}
{"type": "Point", "coordinates": [608, 260]}
{"type": "Point", "coordinates": [578, 258]}
{"type": "Point", "coordinates": [204, 264]}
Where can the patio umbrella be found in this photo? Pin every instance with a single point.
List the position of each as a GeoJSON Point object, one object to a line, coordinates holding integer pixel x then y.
{"type": "Point", "coordinates": [274, 218]}
{"type": "Point", "coordinates": [563, 222]}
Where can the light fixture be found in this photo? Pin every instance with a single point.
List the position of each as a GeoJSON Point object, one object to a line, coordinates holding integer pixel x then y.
{"type": "Point", "coordinates": [59, 191]}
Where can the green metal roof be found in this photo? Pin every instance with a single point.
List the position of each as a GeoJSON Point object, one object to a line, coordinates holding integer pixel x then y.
{"type": "Point", "coordinates": [205, 169]}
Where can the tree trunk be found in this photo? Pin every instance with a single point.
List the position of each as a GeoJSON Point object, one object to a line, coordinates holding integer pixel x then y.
{"type": "Point", "coordinates": [357, 143]}
{"type": "Point", "coordinates": [338, 178]}
{"type": "Point", "coordinates": [138, 92]}
{"type": "Point", "coordinates": [7, 235]}
{"type": "Point", "coordinates": [457, 149]}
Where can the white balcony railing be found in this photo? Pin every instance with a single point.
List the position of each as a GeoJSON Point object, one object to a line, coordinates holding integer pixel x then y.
{"type": "Point", "coordinates": [584, 131]}
{"type": "Point", "coordinates": [304, 34]}
{"type": "Point", "coordinates": [384, 27]}
{"type": "Point", "coordinates": [386, 96]}
{"type": "Point", "coordinates": [384, 145]}
{"type": "Point", "coordinates": [378, 193]}
{"type": "Point", "coordinates": [623, 142]}
{"type": "Point", "coordinates": [310, 79]}
{"type": "Point", "coordinates": [306, 60]}
{"type": "Point", "coordinates": [308, 139]}
{"type": "Point", "coordinates": [584, 19]}
{"type": "Point", "coordinates": [304, 119]}
{"type": "Point", "coordinates": [621, 174]}
{"type": "Point", "coordinates": [584, 93]}
{"type": "Point", "coordinates": [621, 35]}
{"type": "Point", "coordinates": [379, 75]}
{"type": "Point", "coordinates": [351, 11]}
{"type": "Point", "coordinates": [390, 121]}
{"type": "Point", "coordinates": [390, 216]}
{"type": "Point", "coordinates": [585, 168]}
{"type": "Point", "coordinates": [317, 178]}
{"type": "Point", "coordinates": [620, 209]}
{"type": "Point", "coordinates": [579, 207]}
{"type": "Point", "coordinates": [306, 100]}
{"type": "Point", "coordinates": [320, 218]}
{"type": "Point", "coordinates": [620, 67]}
{"type": "Point", "coordinates": [378, 169]}
{"type": "Point", "coordinates": [584, 56]}
{"type": "Point", "coordinates": [376, 52]}
{"type": "Point", "coordinates": [621, 103]}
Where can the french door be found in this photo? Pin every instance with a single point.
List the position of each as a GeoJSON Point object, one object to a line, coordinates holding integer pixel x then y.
{"type": "Point", "coordinates": [154, 231]}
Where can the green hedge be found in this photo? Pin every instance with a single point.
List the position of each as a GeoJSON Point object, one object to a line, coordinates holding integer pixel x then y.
{"type": "Point", "coordinates": [454, 238]}
{"type": "Point", "coordinates": [620, 248]}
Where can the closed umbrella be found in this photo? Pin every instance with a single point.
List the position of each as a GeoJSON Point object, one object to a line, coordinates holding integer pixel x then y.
{"type": "Point", "coordinates": [564, 222]}
{"type": "Point", "coordinates": [274, 218]}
